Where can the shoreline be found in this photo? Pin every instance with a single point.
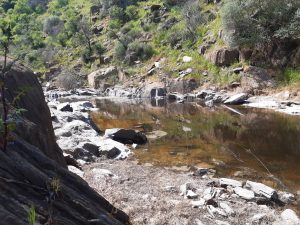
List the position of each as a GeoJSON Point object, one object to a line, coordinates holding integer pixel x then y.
{"type": "Point", "coordinates": [118, 180]}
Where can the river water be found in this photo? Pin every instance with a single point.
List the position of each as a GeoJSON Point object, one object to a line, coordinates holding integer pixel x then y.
{"type": "Point", "coordinates": [260, 145]}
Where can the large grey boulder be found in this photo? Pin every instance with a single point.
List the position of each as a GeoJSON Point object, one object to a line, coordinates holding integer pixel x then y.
{"type": "Point", "coordinates": [96, 79]}
{"type": "Point", "coordinates": [36, 128]}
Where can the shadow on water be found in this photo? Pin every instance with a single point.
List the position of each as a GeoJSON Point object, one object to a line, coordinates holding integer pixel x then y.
{"type": "Point", "coordinates": [245, 146]}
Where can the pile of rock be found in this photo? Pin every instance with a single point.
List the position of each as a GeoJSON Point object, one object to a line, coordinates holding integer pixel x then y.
{"type": "Point", "coordinates": [57, 93]}
{"type": "Point", "coordinates": [222, 197]}
{"type": "Point", "coordinates": [79, 137]}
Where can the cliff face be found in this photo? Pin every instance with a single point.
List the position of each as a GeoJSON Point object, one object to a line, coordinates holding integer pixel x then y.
{"type": "Point", "coordinates": [37, 130]}
{"type": "Point", "coordinates": [33, 173]}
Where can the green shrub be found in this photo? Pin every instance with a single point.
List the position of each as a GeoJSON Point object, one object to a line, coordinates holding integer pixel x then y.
{"type": "Point", "coordinates": [99, 49]}
{"type": "Point", "coordinates": [86, 55]}
{"type": "Point", "coordinates": [191, 12]}
{"type": "Point", "coordinates": [251, 22]}
{"type": "Point", "coordinates": [143, 51]}
{"type": "Point", "coordinates": [119, 51]}
{"type": "Point", "coordinates": [52, 25]}
{"type": "Point", "coordinates": [291, 76]}
{"type": "Point", "coordinates": [115, 24]}
{"type": "Point", "coordinates": [131, 12]}
{"type": "Point", "coordinates": [117, 13]}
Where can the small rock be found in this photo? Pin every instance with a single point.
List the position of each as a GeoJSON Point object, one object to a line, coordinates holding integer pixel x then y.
{"type": "Point", "coordinates": [213, 211]}
{"type": "Point", "coordinates": [207, 191]}
{"type": "Point", "coordinates": [260, 189]}
{"type": "Point", "coordinates": [156, 134]}
{"type": "Point", "coordinates": [65, 107]}
{"type": "Point", "coordinates": [230, 182]}
{"type": "Point", "coordinates": [113, 153]}
{"type": "Point", "coordinates": [126, 136]}
{"type": "Point", "coordinates": [75, 170]}
{"type": "Point", "coordinates": [258, 217]}
{"type": "Point", "coordinates": [199, 222]}
{"type": "Point", "coordinates": [286, 197]}
{"type": "Point", "coordinates": [204, 171]}
{"type": "Point", "coordinates": [244, 193]}
{"type": "Point", "coordinates": [187, 59]}
{"type": "Point", "coordinates": [212, 202]}
{"type": "Point", "coordinates": [191, 195]}
{"type": "Point", "coordinates": [170, 188]}
{"type": "Point", "coordinates": [238, 69]}
{"type": "Point", "coordinates": [237, 99]}
{"type": "Point", "coordinates": [188, 70]}
{"type": "Point", "coordinates": [185, 187]}
{"type": "Point", "coordinates": [290, 215]}
{"type": "Point", "coordinates": [235, 84]}
{"type": "Point", "coordinates": [209, 103]}
{"type": "Point", "coordinates": [226, 208]}
{"type": "Point", "coordinates": [99, 173]}
{"type": "Point", "coordinates": [197, 204]}
{"type": "Point", "coordinates": [92, 148]}
{"type": "Point", "coordinates": [219, 222]}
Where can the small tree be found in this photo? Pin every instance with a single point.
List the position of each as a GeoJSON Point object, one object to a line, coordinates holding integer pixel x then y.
{"type": "Point", "coordinates": [5, 42]}
{"type": "Point", "coordinates": [87, 34]}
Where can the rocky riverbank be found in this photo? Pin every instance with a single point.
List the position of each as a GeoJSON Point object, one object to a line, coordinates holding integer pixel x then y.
{"type": "Point", "coordinates": [153, 195]}
{"type": "Point", "coordinates": [287, 102]}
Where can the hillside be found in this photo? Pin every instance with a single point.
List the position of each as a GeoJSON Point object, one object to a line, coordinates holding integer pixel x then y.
{"type": "Point", "coordinates": [73, 38]}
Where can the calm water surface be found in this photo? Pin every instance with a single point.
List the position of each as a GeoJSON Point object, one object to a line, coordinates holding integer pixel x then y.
{"type": "Point", "coordinates": [252, 146]}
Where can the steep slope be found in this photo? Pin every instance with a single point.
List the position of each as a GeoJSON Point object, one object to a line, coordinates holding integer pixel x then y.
{"type": "Point", "coordinates": [33, 180]}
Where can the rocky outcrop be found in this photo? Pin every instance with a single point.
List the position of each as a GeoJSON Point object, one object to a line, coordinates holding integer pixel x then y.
{"type": "Point", "coordinates": [255, 79]}
{"type": "Point", "coordinates": [223, 57]}
{"type": "Point", "coordinates": [280, 55]}
{"type": "Point", "coordinates": [33, 171]}
{"type": "Point", "coordinates": [29, 178]}
{"type": "Point", "coordinates": [23, 86]}
{"type": "Point", "coordinates": [182, 86]}
{"type": "Point", "coordinates": [97, 79]}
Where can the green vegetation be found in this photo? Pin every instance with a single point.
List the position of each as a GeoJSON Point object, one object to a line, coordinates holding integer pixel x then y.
{"type": "Point", "coordinates": [253, 22]}
{"type": "Point", "coordinates": [76, 35]}
{"type": "Point", "coordinates": [290, 76]}
{"type": "Point", "coordinates": [32, 216]}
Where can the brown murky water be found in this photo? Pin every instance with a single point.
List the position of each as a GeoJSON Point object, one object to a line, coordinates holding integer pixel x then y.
{"type": "Point", "coordinates": [253, 146]}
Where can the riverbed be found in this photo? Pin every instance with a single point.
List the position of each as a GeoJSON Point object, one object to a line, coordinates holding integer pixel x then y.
{"type": "Point", "coordinates": [255, 144]}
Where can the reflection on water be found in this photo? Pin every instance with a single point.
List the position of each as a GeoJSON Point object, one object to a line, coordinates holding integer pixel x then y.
{"type": "Point", "coordinates": [216, 137]}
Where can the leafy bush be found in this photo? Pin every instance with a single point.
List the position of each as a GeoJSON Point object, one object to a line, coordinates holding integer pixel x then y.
{"type": "Point", "coordinates": [115, 24]}
{"type": "Point", "coordinates": [143, 51]}
{"type": "Point", "coordinates": [174, 2]}
{"type": "Point", "coordinates": [131, 12]}
{"type": "Point", "coordinates": [251, 22]}
{"type": "Point", "coordinates": [117, 13]}
{"type": "Point", "coordinates": [52, 25]}
{"type": "Point", "coordinates": [86, 55]}
{"type": "Point", "coordinates": [192, 14]}
{"type": "Point", "coordinates": [119, 51]}
{"type": "Point", "coordinates": [99, 49]}
{"type": "Point", "coordinates": [291, 75]}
